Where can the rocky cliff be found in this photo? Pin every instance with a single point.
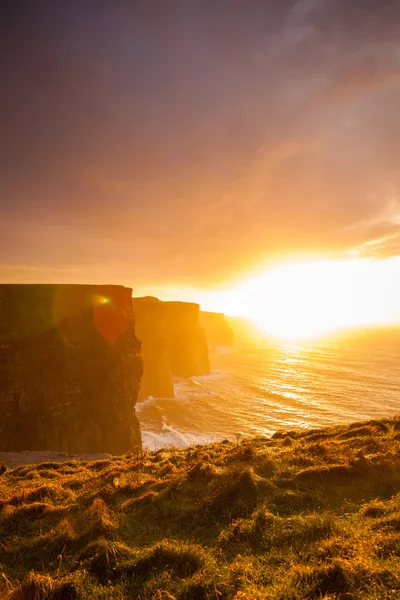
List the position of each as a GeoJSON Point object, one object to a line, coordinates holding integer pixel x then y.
{"type": "Point", "coordinates": [150, 327]}
{"type": "Point", "coordinates": [216, 328]}
{"type": "Point", "coordinates": [174, 344]}
{"type": "Point", "coordinates": [69, 368]}
{"type": "Point", "coordinates": [187, 340]}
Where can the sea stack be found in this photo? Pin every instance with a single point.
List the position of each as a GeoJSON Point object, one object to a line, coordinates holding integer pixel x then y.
{"type": "Point", "coordinates": [69, 369]}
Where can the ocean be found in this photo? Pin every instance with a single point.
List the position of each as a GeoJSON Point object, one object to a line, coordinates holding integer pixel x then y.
{"type": "Point", "coordinates": [259, 386]}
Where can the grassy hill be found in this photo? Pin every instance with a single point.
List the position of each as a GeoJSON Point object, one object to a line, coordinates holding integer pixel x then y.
{"type": "Point", "coordinates": [299, 515]}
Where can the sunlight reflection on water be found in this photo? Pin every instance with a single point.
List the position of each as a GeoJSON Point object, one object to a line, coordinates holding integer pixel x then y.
{"type": "Point", "coordinates": [258, 389]}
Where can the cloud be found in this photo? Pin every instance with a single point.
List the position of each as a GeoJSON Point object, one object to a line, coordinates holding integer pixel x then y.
{"type": "Point", "coordinates": [189, 141]}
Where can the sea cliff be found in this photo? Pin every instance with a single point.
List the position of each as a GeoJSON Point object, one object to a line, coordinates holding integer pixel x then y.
{"type": "Point", "coordinates": [69, 369]}
{"type": "Point", "coordinates": [157, 379]}
{"type": "Point", "coordinates": [173, 344]}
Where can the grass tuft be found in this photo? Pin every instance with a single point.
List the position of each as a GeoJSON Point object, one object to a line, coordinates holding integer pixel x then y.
{"type": "Point", "coordinates": [103, 557]}
{"type": "Point", "coordinates": [181, 560]}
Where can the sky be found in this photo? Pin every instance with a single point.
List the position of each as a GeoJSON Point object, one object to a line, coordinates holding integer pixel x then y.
{"type": "Point", "coordinates": [178, 145]}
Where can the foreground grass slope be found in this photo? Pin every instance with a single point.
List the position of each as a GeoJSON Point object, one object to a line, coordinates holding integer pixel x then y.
{"type": "Point", "coordinates": [299, 515]}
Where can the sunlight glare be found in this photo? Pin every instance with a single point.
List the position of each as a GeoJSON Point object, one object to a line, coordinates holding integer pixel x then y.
{"type": "Point", "coordinates": [306, 300]}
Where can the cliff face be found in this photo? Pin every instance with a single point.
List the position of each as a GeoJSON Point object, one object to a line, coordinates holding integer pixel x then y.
{"type": "Point", "coordinates": [151, 330]}
{"type": "Point", "coordinates": [187, 340]}
{"type": "Point", "coordinates": [174, 344]}
{"type": "Point", "coordinates": [69, 369]}
{"type": "Point", "coordinates": [216, 328]}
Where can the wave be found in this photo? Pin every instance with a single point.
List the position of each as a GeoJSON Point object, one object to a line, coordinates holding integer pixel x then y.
{"type": "Point", "coordinates": [140, 406]}
{"type": "Point", "coordinates": [175, 438]}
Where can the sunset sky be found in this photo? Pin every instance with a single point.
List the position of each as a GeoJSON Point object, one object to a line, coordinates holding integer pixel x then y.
{"type": "Point", "coordinates": [179, 146]}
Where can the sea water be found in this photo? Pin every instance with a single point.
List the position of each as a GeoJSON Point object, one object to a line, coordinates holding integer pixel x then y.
{"type": "Point", "coordinates": [258, 387]}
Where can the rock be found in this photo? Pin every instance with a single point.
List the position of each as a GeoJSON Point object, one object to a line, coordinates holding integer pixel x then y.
{"type": "Point", "coordinates": [69, 369]}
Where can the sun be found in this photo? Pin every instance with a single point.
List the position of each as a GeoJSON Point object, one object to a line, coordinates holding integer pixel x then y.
{"type": "Point", "coordinates": [306, 300]}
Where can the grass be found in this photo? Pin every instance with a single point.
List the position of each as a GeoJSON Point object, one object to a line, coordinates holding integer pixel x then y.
{"type": "Point", "coordinates": [301, 515]}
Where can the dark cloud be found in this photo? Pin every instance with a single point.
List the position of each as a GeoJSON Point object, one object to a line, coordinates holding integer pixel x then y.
{"type": "Point", "coordinates": [188, 140]}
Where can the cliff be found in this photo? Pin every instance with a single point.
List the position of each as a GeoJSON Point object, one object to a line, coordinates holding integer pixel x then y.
{"type": "Point", "coordinates": [150, 328]}
{"type": "Point", "coordinates": [174, 344]}
{"type": "Point", "coordinates": [186, 339]}
{"type": "Point", "coordinates": [69, 369]}
{"type": "Point", "coordinates": [216, 328]}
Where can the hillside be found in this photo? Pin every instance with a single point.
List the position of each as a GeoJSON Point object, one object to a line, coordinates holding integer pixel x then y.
{"type": "Point", "coordinates": [312, 514]}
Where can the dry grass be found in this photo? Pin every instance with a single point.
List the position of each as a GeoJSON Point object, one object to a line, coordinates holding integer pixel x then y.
{"type": "Point", "coordinates": [298, 516]}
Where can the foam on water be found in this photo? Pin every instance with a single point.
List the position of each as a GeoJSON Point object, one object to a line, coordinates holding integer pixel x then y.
{"type": "Point", "coordinates": [145, 403]}
{"type": "Point", "coordinates": [173, 438]}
